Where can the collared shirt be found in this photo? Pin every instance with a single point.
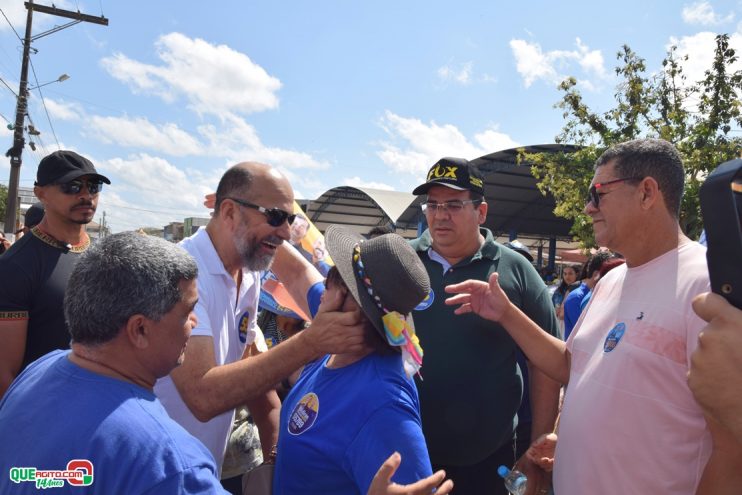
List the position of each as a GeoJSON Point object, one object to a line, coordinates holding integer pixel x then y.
{"type": "Point", "coordinates": [471, 387]}
{"type": "Point", "coordinates": [226, 314]}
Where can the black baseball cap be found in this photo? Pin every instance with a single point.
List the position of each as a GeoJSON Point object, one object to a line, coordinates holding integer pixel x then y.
{"type": "Point", "coordinates": [33, 215]}
{"type": "Point", "coordinates": [64, 166]}
{"type": "Point", "coordinates": [456, 173]}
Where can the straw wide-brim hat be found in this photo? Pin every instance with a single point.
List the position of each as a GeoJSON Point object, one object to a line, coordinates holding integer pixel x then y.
{"type": "Point", "coordinates": [397, 275]}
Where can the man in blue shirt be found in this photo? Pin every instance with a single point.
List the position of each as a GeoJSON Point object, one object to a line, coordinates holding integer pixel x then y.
{"type": "Point", "coordinates": [87, 417]}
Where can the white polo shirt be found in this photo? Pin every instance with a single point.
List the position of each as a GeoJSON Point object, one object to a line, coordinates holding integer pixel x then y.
{"type": "Point", "coordinates": [229, 320]}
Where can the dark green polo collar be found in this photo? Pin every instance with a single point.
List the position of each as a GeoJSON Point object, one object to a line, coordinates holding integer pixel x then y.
{"type": "Point", "coordinates": [489, 249]}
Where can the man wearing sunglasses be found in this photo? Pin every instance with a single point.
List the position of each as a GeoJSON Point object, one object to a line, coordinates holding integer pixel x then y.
{"type": "Point", "coordinates": [251, 220]}
{"type": "Point", "coordinates": [628, 408]}
{"type": "Point", "coordinates": [471, 387]}
{"type": "Point", "coordinates": [35, 270]}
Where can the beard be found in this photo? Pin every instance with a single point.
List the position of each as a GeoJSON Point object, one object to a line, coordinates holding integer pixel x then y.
{"type": "Point", "coordinates": [86, 218]}
{"type": "Point", "coordinates": [249, 249]}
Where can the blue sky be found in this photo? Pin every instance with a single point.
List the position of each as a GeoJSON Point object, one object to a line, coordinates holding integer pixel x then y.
{"type": "Point", "coordinates": [333, 93]}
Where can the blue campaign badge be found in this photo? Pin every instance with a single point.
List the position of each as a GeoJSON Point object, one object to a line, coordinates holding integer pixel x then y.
{"type": "Point", "coordinates": [427, 302]}
{"type": "Point", "coordinates": [304, 414]}
{"type": "Point", "coordinates": [614, 337]}
{"type": "Point", "coordinates": [242, 326]}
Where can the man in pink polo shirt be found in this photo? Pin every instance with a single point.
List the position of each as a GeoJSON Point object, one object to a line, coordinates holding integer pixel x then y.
{"type": "Point", "coordinates": [629, 423]}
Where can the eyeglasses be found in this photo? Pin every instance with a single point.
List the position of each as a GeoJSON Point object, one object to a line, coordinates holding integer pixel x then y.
{"type": "Point", "coordinates": [274, 216]}
{"type": "Point", "coordinates": [454, 207]}
{"type": "Point", "coordinates": [594, 195]}
{"type": "Point", "coordinates": [75, 186]}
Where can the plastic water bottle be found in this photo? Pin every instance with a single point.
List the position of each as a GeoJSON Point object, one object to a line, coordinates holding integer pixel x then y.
{"type": "Point", "coordinates": [515, 481]}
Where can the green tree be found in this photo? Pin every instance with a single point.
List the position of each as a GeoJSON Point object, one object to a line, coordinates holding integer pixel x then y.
{"type": "Point", "coordinates": [698, 118]}
{"type": "Point", "coordinates": [3, 200]}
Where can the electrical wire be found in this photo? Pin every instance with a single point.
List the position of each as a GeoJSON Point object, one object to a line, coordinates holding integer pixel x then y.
{"type": "Point", "coordinates": [9, 88]}
{"type": "Point", "coordinates": [11, 26]}
{"type": "Point", "coordinates": [43, 103]}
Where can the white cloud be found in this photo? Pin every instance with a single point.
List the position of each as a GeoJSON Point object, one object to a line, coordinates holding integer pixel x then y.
{"type": "Point", "coordinates": [491, 140]}
{"type": "Point", "coordinates": [358, 182]}
{"type": "Point", "coordinates": [533, 64]}
{"type": "Point", "coordinates": [703, 13]}
{"type": "Point", "coordinates": [141, 133]}
{"type": "Point", "coordinates": [214, 79]}
{"type": "Point", "coordinates": [460, 74]}
{"type": "Point", "coordinates": [591, 61]}
{"type": "Point", "coordinates": [15, 11]}
{"type": "Point", "coordinates": [414, 145]}
{"type": "Point", "coordinates": [238, 140]}
{"type": "Point", "coordinates": [162, 192]}
{"type": "Point", "coordinates": [700, 51]}
{"type": "Point", "coordinates": [232, 139]}
{"type": "Point", "coordinates": [62, 110]}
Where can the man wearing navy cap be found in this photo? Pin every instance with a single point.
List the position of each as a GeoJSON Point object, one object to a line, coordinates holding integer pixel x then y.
{"type": "Point", "coordinates": [36, 268]}
{"type": "Point", "coordinates": [472, 387]}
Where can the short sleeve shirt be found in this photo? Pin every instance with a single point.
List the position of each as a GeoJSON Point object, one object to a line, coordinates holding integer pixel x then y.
{"type": "Point", "coordinates": [34, 274]}
{"type": "Point", "coordinates": [226, 314]}
{"type": "Point", "coordinates": [630, 423]}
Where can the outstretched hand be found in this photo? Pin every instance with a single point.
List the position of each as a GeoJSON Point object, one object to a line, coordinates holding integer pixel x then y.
{"type": "Point", "coordinates": [382, 482]}
{"type": "Point", "coordinates": [485, 299]}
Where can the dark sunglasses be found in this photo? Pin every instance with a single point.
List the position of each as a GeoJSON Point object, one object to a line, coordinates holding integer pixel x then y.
{"type": "Point", "coordinates": [274, 216]}
{"type": "Point", "coordinates": [75, 186]}
{"type": "Point", "coordinates": [594, 194]}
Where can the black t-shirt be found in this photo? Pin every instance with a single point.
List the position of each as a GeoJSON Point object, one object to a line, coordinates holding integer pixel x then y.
{"type": "Point", "coordinates": [33, 278]}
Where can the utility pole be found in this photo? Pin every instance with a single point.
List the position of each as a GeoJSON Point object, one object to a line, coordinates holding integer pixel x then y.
{"type": "Point", "coordinates": [21, 108]}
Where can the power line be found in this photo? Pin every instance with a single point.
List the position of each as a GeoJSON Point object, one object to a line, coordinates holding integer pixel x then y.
{"type": "Point", "coordinates": [43, 103]}
{"type": "Point", "coordinates": [11, 26]}
{"type": "Point", "coordinates": [16, 151]}
{"type": "Point", "coordinates": [6, 85]}
{"type": "Point", "coordinates": [171, 212]}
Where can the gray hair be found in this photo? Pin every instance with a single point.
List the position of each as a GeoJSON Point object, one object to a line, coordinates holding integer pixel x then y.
{"type": "Point", "coordinates": [236, 181]}
{"type": "Point", "coordinates": [120, 276]}
{"type": "Point", "coordinates": [654, 158]}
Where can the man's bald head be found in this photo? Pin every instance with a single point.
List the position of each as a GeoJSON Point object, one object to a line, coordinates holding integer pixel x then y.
{"type": "Point", "coordinates": [239, 181]}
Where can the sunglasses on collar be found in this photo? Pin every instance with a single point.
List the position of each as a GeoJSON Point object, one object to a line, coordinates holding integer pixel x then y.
{"type": "Point", "coordinates": [75, 186]}
{"type": "Point", "coordinates": [274, 216]}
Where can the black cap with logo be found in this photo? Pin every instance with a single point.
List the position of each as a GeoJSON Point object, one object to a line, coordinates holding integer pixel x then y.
{"type": "Point", "coordinates": [64, 166]}
{"type": "Point", "coordinates": [456, 173]}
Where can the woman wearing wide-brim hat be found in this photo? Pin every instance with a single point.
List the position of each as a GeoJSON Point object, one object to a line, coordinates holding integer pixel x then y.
{"type": "Point", "coordinates": [347, 413]}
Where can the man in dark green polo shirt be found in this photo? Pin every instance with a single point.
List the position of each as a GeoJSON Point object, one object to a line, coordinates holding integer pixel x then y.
{"type": "Point", "coordinates": [472, 385]}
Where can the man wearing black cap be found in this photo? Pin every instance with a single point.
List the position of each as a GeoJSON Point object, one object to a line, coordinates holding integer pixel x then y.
{"type": "Point", "coordinates": [36, 268]}
{"type": "Point", "coordinates": [31, 218]}
{"type": "Point", "coordinates": [472, 386]}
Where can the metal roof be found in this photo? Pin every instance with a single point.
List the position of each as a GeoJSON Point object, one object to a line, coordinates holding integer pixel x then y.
{"type": "Point", "coordinates": [515, 203]}
{"type": "Point", "coordinates": [360, 209]}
